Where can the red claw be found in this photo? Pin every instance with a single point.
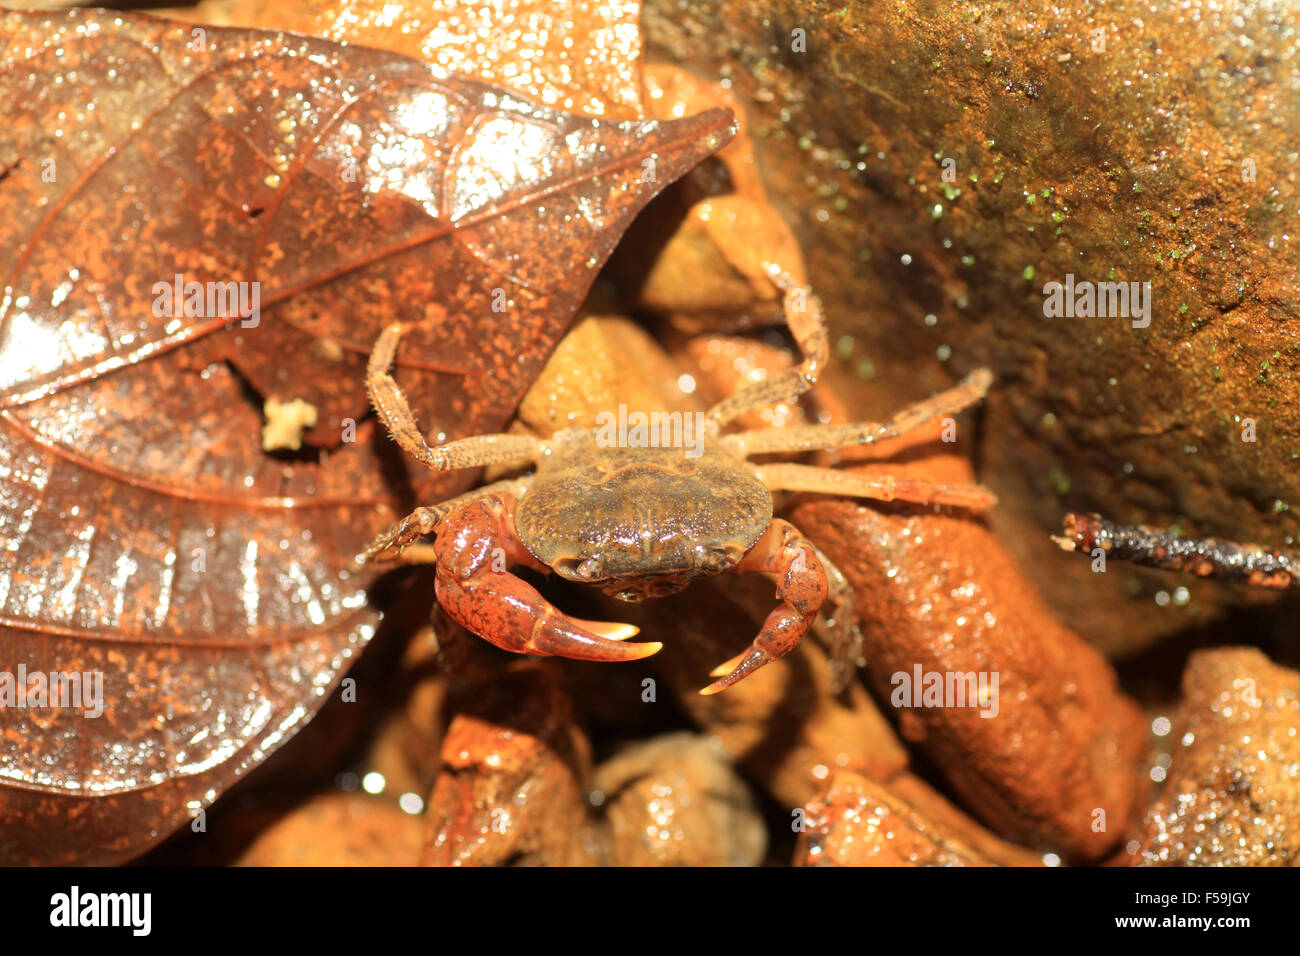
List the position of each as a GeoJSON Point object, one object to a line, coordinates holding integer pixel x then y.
{"type": "Point", "coordinates": [801, 589]}
{"type": "Point", "coordinates": [475, 547]}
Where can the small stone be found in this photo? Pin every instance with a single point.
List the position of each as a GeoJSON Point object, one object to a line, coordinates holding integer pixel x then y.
{"type": "Point", "coordinates": [675, 800]}
{"type": "Point", "coordinates": [339, 829]}
{"type": "Point", "coordinates": [859, 822]}
{"type": "Point", "coordinates": [1231, 796]}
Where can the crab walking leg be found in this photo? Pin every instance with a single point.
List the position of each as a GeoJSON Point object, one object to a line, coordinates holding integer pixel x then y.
{"type": "Point", "coordinates": [842, 633]}
{"type": "Point", "coordinates": [1159, 548]}
{"type": "Point", "coordinates": [803, 314]}
{"type": "Point", "coordinates": [830, 481]}
{"type": "Point", "coordinates": [810, 437]}
{"type": "Point", "coordinates": [424, 520]}
{"type": "Point", "coordinates": [801, 588]}
{"type": "Point", "coordinates": [475, 546]}
{"type": "Point", "coordinates": [396, 414]}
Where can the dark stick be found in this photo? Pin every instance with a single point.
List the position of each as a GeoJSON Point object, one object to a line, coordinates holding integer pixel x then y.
{"type": "Point", "coordinates": [1158, 548]}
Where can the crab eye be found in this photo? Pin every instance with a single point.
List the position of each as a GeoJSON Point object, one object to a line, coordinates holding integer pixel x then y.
{"type": "Point", "coordinates": [717, 560]}
{"type": "Point", "coordinates": [580, 569]}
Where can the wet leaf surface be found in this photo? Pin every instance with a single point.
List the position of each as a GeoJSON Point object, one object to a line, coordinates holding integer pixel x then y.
{"type": "Point", "coordinates": [582, 56]}
{"type": "Point", "coordinates": [148, 538]}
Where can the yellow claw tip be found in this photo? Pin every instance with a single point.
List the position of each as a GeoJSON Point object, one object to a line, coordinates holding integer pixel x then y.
{"type": "Point", "coordinates": [610, 630]}
{"type": "Point", "coordinates": [727, 666]}
{"type": "Point", "coordinates": [718, 686]}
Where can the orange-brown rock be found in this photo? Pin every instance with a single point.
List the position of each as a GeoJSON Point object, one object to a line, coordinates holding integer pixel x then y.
{"type": "Point", "coordinates": [1049, 758]}
{"type": "Point", "coordinates": [856, 821]}
{"type": "Point", "coordinates": [717, 232]}
{"type": "Point", "coordinates": [602, 362]}
{"type": "Point", "coordinates": [720, 365]}
{"type": "Point", "coordinates": [1232, 793]}
{"type": "Point", "coordinates": [513, 786]}
{"type": "Point", "coordinates": [339, 829]}
{"type": "Point", "coordinates": [674, 800]}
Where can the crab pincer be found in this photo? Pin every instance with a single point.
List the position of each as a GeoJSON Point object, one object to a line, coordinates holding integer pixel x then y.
{"type": "Point", "coordinates": [801, 588]}
{"type": "Point", "coordinates": [475, 547]}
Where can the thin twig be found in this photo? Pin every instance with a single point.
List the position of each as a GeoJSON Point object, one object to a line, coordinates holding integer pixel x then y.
{"type": "Point", "coordinates": [1160, 548]}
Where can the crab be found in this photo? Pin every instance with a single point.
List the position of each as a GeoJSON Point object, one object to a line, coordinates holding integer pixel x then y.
{"type": "Point", "coordinates": [642, 522]}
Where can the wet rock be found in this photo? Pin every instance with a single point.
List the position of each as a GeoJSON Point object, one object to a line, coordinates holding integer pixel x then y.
{"type": "Point", "coordinates": [939, 810]}
{"type": "Point", "coordinates": [339, 829]}
{"type": "Point", "coordinates": [717, 233]}
{"type": "Point", "coordinates": [939, 166]}
{"type": "Point", "coordinates": [858, 822]}
{"type": "Point", "coordinates": [603, 361]}
{"type": "Point", "coordinates": [720, 365]}
{"type": "Point", "coordinates": [675, 801]}
{"type": "Point", "coordinates": [1232, 794]}
{"type": "Point", "coordinates": [514, 781]}
{"type": "Point", "coordinates": [1027, 724]}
